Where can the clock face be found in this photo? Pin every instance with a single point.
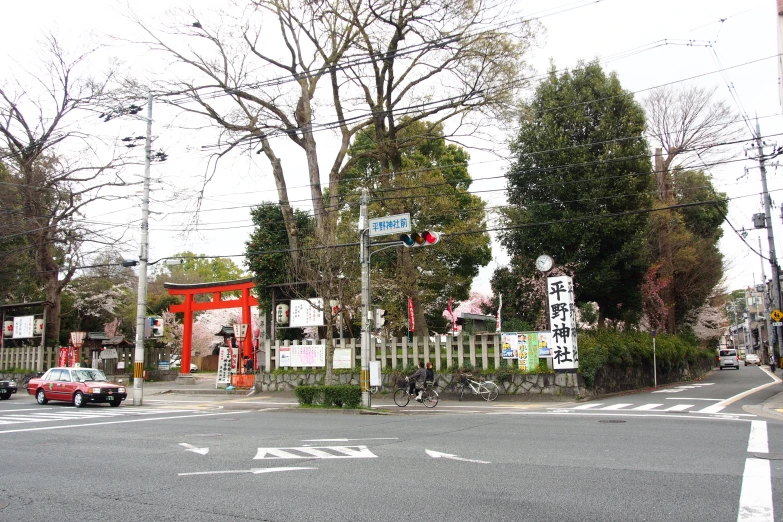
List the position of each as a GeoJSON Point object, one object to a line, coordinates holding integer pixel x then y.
{"type": "Point", "coordinates": [544, 263]}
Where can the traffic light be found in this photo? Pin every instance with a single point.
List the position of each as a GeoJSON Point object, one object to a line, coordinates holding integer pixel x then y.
{"type": "Point", "coordinates": [420, 238]}
{"type": "Point", "coordinates": [156, 326]}
{"type": "Point", "coordinates": [380, 317]}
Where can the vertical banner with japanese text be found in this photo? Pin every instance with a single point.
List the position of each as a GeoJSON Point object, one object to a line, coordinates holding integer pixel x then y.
{"type": "Point", "coordinates": [562, 317]}
{"type": "Point", "coordinates": [411, 319]}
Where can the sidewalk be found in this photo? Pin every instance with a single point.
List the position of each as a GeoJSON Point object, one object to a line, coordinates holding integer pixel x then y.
{"type": "Point", "coordinates": [204, 393]}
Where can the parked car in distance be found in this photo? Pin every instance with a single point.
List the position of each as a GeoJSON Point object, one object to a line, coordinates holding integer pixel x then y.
{"type": "Point", "coordinates": [7, 387]}
{"type": "Point", "coordinates": [176, 363]}
{"type": "Point", "coordinates": [728, 358]}
{"type": "Point", "coordinates": [77, 385]}
{"type": "Point", "coordinates": [752, 358]}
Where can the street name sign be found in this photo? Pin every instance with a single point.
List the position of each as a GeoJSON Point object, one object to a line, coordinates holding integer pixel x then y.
{"type": "Point", "coordinates": [388, 225]}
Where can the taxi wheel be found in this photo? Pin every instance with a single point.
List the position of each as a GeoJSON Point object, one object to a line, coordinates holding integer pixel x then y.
{"type": "Point", "coordinates": [41, 397]}
{"type": "Point", "coordinates": [78, 400]}
{"type": "Point", "coordinates": [114, 404]}
{"type": "Point", "coordinates": [5, 396]}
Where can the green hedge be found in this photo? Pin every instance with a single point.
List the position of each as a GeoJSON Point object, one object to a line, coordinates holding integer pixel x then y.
{"type": "Point", "coordinates": [334, 396]}
{"type": "Point", "coordinates": [598, 348]}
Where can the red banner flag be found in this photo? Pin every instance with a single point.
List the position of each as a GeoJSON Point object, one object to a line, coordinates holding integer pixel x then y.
{"type": "Point", "coordinates": [411, 320]}
{"type": "Point", "coordinates": [453, 325]}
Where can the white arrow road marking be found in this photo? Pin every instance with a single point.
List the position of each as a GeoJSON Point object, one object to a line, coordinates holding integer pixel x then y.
{"type": "Point", "coordinates": [255, 471]}
{"type": "Point", "coordinates": [194, 449]}
{"type": "Point", "coordinates": [438, 454]}
{"type": "Point", "coordinates": [320, 452]}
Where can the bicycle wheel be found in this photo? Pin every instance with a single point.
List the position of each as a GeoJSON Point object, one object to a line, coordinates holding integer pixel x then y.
{"type": "Point", "coordinates": [489, 391]}
{"type": "Point", "coordinates": [401, 398]}
{"type": "Point", "coordinates": [430, 398]}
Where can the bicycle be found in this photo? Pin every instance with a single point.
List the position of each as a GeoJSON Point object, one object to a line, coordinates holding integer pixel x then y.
{"type": "Point", "coordinates": [429, 396]}
{"type": "Point", "coordinates": [488, 390]}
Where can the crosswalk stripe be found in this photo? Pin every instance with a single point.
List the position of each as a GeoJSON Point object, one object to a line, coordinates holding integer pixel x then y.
{"type": "Point", "coordinates": [615, 407]}
{"type": "Point", "coordinates": [679, 407]}
{"type": "Point", "coordinates": [711, 409]}
{"type": "Point", "coordinates": [586, 406]}
{"type": "Point", "coordinates": [646, 407]}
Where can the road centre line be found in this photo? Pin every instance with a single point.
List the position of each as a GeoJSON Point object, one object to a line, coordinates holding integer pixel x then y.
{"type": "Point", "coordinates": [147, 419]}
{"type": "Point", "coordinates": [744, 394]}
{"type": "Point", "coordinates": [757, 442]}
{"type": "Point", "coordinates": [755, 502]}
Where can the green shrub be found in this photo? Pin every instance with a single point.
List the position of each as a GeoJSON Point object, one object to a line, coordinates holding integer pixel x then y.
{"type": "Point", "coordinates": [334, 396]}
{"type": "Point", "coordinates": [307, 395]}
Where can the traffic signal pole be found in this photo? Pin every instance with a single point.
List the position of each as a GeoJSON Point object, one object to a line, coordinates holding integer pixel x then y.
{"type": "Point", "coordinates": [364, 258]}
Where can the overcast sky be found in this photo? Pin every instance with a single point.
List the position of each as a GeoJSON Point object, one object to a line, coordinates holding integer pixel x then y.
{"type": "Point", "coordinates": [742, 42]}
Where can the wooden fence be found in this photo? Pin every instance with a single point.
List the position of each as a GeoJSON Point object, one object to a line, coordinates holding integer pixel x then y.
{"type": "Point", "coordinates": [482, 351]}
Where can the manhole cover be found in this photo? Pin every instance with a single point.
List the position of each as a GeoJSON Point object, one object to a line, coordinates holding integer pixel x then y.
{"type": "Point", "coordinates": [769, 456]}
{"type": "Point", "coordinates": [612, 421]}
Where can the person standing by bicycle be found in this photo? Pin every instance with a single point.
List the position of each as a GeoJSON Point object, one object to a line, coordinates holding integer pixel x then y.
{"type": "Point", "coordinates": [418, 378]}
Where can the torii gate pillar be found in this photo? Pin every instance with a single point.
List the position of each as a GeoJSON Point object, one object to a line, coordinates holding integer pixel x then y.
{"type": "Point", "coordinates": [191, 305]}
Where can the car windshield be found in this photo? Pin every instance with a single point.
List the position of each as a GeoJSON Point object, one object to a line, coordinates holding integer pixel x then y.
{"type": "Point", "coordinates": [727, 353]}
{"type": "Point", "coordinates": [88, 375]}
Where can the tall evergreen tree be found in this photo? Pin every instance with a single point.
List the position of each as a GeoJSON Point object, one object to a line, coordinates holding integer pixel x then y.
{"type": "Point", "coordinates": [432, 185]}
{"type": "Point", "coordinates": [581, 163]}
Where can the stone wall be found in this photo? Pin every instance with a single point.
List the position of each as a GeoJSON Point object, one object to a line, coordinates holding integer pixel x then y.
{"type": "Point", "coordinates": [554, 384]}
{"type": "Point", "coordinates": [610, 379]}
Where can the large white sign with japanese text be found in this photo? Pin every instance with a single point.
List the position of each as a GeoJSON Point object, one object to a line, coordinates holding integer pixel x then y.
{"type": "Point", "coordinates": [562, 317]}
{"type": "Point", "coordinates": [307, 312]}
{"type": "Point", "coordinates": [23, 327]}
{"type": "Point", "coordinates": [227, 364]}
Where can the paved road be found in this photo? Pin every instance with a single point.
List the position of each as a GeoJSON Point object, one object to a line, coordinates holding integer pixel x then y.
{"type": "Point", "coordinates": [206, 458]}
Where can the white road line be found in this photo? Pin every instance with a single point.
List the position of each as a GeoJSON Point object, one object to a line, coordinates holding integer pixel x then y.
{"type": "Point", "coordinates": [755, 502]}
{"type": "Point", "coordinates": [146, 419]}
{"type": "Point", "coordinates": [627, 413]}
{"type": "Point", "coordinates": [679, 407]}
{"type": "Point", "coordinates": [646, 407]}
{"type": "Point", "coordinates": [757, 443]}
{"type": "Point", "coordinates": [346, 440]}
{"type": "Point", "coordinates": [615, 407]}
{"type": "Point", "coordinates": [690, 399]}
{"type": "Point", "coordinates": [585, 406]}
{"type": "Point", "coordinates": [715, 408]}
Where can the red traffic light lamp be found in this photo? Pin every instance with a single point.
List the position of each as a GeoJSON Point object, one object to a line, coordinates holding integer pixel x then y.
{"type": "Point", "coordinates": [420, 238]}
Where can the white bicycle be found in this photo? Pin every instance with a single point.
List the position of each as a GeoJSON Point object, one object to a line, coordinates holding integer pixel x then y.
{"type": "Point", "coordinates": [488, 390]}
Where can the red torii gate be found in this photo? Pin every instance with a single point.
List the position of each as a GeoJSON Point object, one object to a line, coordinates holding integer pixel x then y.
{"type": "Point", "coordinates": [190, 306]}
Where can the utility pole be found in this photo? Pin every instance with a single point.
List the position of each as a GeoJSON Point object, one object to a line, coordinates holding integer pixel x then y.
{"type": "Point", "coordinates": [141, 308]}
{"type": "Point", "coordinates": [364, 258]}
{"type": "Point", "coordinates": [764, 303]}
{"type": "Point", "coordinates": [773, 260]}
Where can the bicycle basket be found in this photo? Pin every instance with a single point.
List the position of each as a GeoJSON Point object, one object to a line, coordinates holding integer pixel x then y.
{"type": "Point", "coordinates": [402, 384]}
